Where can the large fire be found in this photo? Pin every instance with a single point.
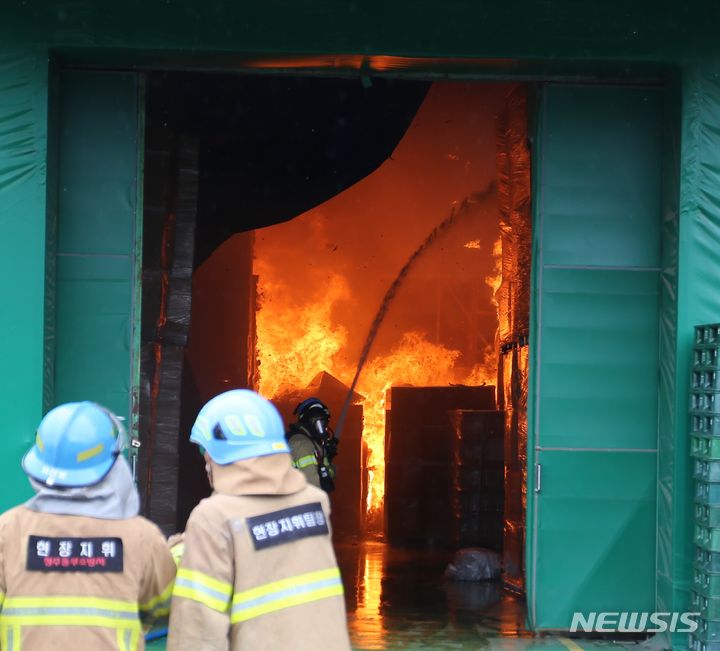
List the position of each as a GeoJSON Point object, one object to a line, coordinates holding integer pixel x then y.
{"type": "Point", "coordinates": [296, 338]}
{"type": "Point", "coordinates": [295, 341]}
{"type": "Point", "coordinates": [322, 276]}
{"type": "Point", "coordinates": [414, 361]}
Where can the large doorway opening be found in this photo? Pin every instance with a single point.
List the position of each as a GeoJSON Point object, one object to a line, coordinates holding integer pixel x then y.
{"type": "Point", "coordinates": [367, 243]}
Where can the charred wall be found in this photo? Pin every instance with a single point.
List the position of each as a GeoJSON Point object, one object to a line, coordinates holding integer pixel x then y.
{"type": "Point", "coordinates": [170, 212]}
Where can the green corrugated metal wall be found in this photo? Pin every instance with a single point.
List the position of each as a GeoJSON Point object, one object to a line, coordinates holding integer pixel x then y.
{"type": "Point", "coordinates": [697, 283]}
{"type": "Point", "coordinates": [23, 148]}
{"type": "Point", "coordinates": [97, 214]}
{"type": "Point", "coordinates": [596, 300]}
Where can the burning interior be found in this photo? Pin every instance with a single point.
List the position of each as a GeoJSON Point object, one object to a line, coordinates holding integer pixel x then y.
{"type": "Point", "coordinates": [366, 243]}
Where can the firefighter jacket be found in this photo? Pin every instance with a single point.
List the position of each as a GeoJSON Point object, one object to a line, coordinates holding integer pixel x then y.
{"type": "Point", "coordinates": [78, 582]}
{"type": "Point", "coordinates": [308, 455]}
{"type": "Point", "coordinates": [259, 570]}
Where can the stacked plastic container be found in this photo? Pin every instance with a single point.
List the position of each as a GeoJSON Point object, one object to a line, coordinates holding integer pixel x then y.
{"type": "Point", "coordinates": [705, 450]}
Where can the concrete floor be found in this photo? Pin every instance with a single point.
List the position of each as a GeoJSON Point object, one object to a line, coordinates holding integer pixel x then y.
{"type": "Point", "coordinates": [398, 599]}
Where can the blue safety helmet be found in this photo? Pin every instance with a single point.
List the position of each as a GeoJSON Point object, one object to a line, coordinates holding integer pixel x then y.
{"type": "Point", "coordinates": [76, 445]}
{"type": "Point", "coordinates": [239, 424]}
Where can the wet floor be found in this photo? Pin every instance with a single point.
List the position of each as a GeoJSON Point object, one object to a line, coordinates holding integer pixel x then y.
{"type": "Point", "coordinates": [399, 599]}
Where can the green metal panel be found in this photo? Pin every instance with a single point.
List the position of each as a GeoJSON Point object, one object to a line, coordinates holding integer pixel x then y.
{"type": "Point", "coordinates": [594, 546]}
{"type": "Point", "coordinates": [596, 277]}
{"type": "Point", "coordinates": [600, 207]}
{"type": "Point", "coordinates": [577, 29]}
{"type": "Point", "coordinates": [136, 317]}
{"type": "Point", "coordinates": [599, 359]}
{"type": "Point", "coordinates": [96, 238]}
{"type": "Point", "coordinates": [674, 497]}
{"type": "Point", "coordinates": [93, 327]}
{"type": "Point", "coordinates": [98, 144]}
{"type": "Point", "coordinates": [697, 285]}
{"type": "Point", "coordinates": [23, 143]}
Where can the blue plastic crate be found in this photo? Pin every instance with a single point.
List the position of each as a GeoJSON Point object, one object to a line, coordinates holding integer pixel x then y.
{"type": "Point", "coordinates": [706, 583]}
{"type": "Point", "coordinates": [705, 447]}
{"type": "Point", "coordinates": [706, 470]}
{"type": "Point", "coordinates": [708, 630]}
{"type": "Point", "coordinates": [707, 561]}
{"type": "Point", "coordinates": [707, 493]}
{"type": "Point", "coordinates": [706, 515]}
{"type": "Point", "coordinates": [705, 424]}
{"type": "Point", "coordinates": [704, 402]}
{"type": "Point", "coordinates": [708, 607]}
{"type": "Point", "coordinates": [698, 644]}
{"type": "Point", "coordinates": [707, 356]}
{"type": "Point", "coordinates": [707, 538]}
{"type": "Point", "coordinates": [707, 334]}
{"type": "Point", "coordinates": [708, 378]}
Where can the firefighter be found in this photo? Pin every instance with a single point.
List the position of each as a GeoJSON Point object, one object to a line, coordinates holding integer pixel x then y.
{"type": "Point", "coordinates": [313, 444]}
{"type": "Point", "coordinates": [258, 571]}
{"type": "Point", "coordinates": [78, 567]}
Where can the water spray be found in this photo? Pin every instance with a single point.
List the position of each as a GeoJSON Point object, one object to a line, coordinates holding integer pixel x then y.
{"type": "Point", "coordinates": [456, 213]}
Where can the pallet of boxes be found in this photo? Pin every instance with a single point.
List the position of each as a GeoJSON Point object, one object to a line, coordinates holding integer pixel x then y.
{"type": "Point", "coordinates": [705, 450]}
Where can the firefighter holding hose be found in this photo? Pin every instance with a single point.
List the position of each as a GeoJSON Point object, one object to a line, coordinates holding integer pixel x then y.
{"type": "Point", "coordinates": [313, 444]}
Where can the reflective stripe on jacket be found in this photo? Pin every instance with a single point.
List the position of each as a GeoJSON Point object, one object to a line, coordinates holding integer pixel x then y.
{"type": "Point", "coordinates": [79, 605]}
{"type": "Point", "coordinates": [304, 455]}
{"type": "Point", "coordinates": [259, 570]}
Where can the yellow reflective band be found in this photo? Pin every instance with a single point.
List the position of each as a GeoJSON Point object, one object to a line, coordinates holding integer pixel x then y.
{"type": "Point", "coordinates": [128, 639]}
{"type": "Point", "coordinates": [69, 611]}
{"type": "Point", "coordinates": [114, 605]}
{"type": "Point", "coordinates": [304, 462]}
{"type": "Point", "coordinates": [2, 598]}
{"type": "Point", "coordinates": [39, 442]}
{"type": "Point", "coordinates": [300, 589]}
{"type": "Point", "coordinates": [276, 586]}
{"type": "Point", "coordinates": [160, 605]}
{"type": "Point", "coordinates": [177, 552]}
{"type": "Point", "coordinates": [65, 620]}
{"type": "Point", "coordinates": [202, 588]}
{"type": "Point", "coordinates": [90, 452]}
{"type": "Point", "coordinates": [10, 637]}
{"type": "Point", "coordinates": [204, 579]}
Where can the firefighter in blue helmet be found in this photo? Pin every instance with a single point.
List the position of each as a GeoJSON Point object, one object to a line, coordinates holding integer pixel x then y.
{"type": "Point", "coordinates": [79, 568]}
{"type": "Point", "coordinates": [258, 570]}
{"type": "Point", "coordinates": [313, 444]}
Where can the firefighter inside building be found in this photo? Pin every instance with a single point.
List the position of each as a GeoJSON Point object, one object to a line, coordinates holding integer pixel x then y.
{"type": "Point", "coordinates": [313, 443]}
{"type": "Point", "coordinates": [258, 570]}
{"type": "Point", "coordinates": [95, 573]}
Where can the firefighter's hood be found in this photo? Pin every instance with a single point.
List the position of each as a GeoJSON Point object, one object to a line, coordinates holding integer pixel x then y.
{"type": "Point", "coordinates": [269, 475]}
{"type": "Point", "coordinates": [113, 498]}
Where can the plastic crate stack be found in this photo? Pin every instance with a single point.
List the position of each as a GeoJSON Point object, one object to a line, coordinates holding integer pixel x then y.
{"type": "Point", "coordinates": [705, 450]}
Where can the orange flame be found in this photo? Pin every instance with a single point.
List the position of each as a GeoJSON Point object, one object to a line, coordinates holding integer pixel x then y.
{"type": "Point", "coordinates": [296, 340]}
{"type": "Point", "coordinates": [413, 361]}
{"type": "Point", "coordinates": [486, 371]}
{"type": "Point", "coordinates": [495, 280]}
